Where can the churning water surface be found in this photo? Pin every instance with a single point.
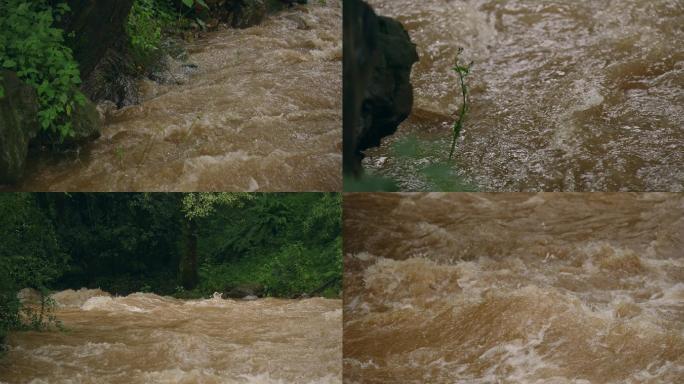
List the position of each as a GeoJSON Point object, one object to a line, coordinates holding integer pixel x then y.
{"type": "Point", "coordinates": [565, 95]}
{"type": "Point", "coordinates": [262, 112]}
{"type": "Point", "coordinates": [145, 338]}
{"type": "Point", "coordinates": [514, 288]}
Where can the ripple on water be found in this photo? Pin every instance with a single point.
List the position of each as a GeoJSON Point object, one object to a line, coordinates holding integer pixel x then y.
{"type": "Point", "coordinates": [514, 288]}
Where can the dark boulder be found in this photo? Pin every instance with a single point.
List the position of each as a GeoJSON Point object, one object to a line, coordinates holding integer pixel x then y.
{"type": "Point", "coordinates": [244, 14]}
{"type": "Point", "coordinates": [244, 290]}
{"type": "Point", "coordinates": [18, 125]}
{"type": "Point", "coordinates": [247, 13]}
{"type": "Point", "coordinates": [378, 96]}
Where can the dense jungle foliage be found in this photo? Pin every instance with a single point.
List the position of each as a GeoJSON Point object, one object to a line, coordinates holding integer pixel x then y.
{"type": "Point", "coordinates": [287, 244]}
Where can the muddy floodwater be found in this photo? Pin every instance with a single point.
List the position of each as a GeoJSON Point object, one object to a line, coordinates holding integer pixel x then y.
{"type": "Point", "coordinates": [261, 112]}
{"type": "Point", "coordinates": [514, 288]}
{"type": "Point", "coordinates": [565, 95]}
{"type": "Point", "coordinates": [145, 338]}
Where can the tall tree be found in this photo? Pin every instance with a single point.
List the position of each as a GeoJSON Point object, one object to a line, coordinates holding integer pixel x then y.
{"type": "Point", "coordinates": [195, 206]}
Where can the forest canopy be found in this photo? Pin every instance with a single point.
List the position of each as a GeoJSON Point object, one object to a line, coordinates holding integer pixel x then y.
{"type": "Point", "coordinates": [186, 245]}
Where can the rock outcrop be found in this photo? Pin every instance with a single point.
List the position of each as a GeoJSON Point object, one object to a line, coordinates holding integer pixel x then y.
{"type": "Point", "coordinates": [95, 27]}
{"type": "Point", "coordinates": [378, 96]}
{"type": "Point", "coordinates": [99, 43]}
{"type": "Point", "coordinates": [18, 125]}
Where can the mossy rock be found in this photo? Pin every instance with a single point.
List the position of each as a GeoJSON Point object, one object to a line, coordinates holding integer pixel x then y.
{"type": "Point", "coordinates": [86, 123]}
{"type": "Point", "coordinates": [18, 125]}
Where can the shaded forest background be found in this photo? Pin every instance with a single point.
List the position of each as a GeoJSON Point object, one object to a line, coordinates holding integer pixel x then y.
{"type": "Point", "coordinates": [185, 245]}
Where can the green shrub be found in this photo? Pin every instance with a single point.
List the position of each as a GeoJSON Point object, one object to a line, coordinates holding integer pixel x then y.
{"type": "Point", "coordinates": [144, 29]}
{"type": "Point", "coordinates": [32, 47]}
{"type": "Point", "coordinates": [149, 20]}
{"type": "Point", "coordinates": [30, 256]}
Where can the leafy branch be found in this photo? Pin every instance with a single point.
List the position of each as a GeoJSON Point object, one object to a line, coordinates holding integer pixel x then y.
{"type": "Point", "coordinates": [42, 60]}
{"type": "Point", "coordinates": [463, 71]}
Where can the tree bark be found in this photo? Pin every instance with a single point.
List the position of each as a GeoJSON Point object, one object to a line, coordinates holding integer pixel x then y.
{"type": "Point", "coordinates": [188, 265]}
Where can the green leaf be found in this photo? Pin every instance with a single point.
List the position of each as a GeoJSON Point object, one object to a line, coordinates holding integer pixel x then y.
{"type": "Point", "coordinates": [188, 3]}
{"type": "Point", "coordinates": [9, 63]}
{"type": "Point", "coordinates": [202, 3]}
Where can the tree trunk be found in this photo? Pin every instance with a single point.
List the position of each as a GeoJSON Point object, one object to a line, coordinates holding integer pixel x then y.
{"type": "Point", "coordinates": [188, 265]}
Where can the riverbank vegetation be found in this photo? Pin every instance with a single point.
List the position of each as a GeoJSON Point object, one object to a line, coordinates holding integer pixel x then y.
{"type": "Point", "coordinates": [42, 60]}
{"type": "Point", "coordinates": [185, 245]}
{"type": "Point", "coordinates": [60, 59]}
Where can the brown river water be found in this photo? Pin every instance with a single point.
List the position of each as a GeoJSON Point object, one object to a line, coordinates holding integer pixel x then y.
{"type": "Point", "coordinates": [514, 288]}
{"type": "Point", "coordinates": [144, 338]}
{"type": "Point", "coordinates": [263, 112]}
{"type": "Point", "coordinates": [575, 95]}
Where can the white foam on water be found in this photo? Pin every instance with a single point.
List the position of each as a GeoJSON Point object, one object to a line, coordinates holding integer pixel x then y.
{"type": "Point", "coordinates": [104, 303]}
{"type": "Point", "coordinates": [333, 315]}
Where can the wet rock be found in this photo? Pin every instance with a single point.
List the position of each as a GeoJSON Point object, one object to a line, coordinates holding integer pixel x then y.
{"type": "Point", "coordinates": [106, 108]}
{"type": "Point", "coordinates": [173, 71]}
{"type": "Point", "coordinates": [18, 125]}
{"type": "Point", "coordinates": [378, 96]}
{"type": "Point", "coordinates": [86, 124]}
{"type": "Point", "coordinates": [244, 291]}
{"type": "Point", "coordinates": [114, 78]}
{"type": "Point", "coordinates": [247, 13]}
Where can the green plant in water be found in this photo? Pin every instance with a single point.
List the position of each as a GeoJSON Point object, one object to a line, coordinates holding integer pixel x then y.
{"type": "Point", "coordinates": [463, 71]}
{"type": "Point", "coordinates": [119, 151]}
{"type": "Point", "coordinates": [33, 48]}
{"type": "Point", "coordinates": [43, 317]}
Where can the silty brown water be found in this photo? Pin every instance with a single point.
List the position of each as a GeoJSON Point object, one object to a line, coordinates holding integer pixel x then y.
{"type": "Point", "coordinates": [145, 338]}
{"type": "Point", "coordinates": [261, 113]}
{"type": "Point", "coordinates": [514, 288]}
{"type": "Point", "coordinates": [565, 95]}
